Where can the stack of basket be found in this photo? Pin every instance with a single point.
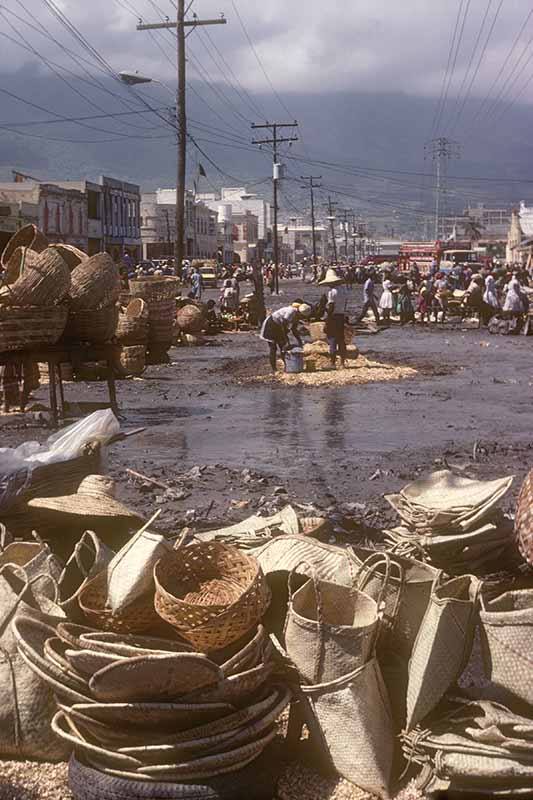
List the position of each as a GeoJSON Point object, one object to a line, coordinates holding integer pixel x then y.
{"type": "Point", "coordinates": [159, 294]}
{"type": "Point", "coordinates": [93, 312]}
{"type": "Point", "coordinates": [148, 708]}
{"type": "Point", "coordinates": [34, 286]}
{"type": "Point", "coordinates": [132, 335]}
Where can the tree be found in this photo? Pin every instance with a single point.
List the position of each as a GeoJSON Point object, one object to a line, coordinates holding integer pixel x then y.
{"type": "Point", "coordinates": [473, 229]}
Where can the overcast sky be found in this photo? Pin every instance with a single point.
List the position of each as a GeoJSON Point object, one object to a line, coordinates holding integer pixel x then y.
{"type": "Point", "coordinates": [305, 45]}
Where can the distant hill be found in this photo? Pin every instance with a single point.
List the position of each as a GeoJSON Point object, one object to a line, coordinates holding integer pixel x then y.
{"type": "Point", "coordinates": [381, 131]}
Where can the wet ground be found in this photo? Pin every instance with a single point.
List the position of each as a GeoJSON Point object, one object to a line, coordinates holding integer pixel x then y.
{"type": "Point", "coordinates": [328, 445]}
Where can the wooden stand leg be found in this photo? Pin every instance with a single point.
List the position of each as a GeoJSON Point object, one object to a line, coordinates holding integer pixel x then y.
{"type": "Point", "coordinates": [61, 391]}
{"type": "Point", "coordinates": [53, 393]}
{"type": "Point", "coordinates": [112, 388]}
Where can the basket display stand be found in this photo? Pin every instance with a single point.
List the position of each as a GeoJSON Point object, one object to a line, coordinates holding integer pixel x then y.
{"type": "Point", "coordinates": [59, 354]}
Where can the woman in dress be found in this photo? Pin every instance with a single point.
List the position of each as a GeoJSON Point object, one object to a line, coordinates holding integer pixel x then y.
{"type": "Point", "coordinates": [386, 301]}
{"type": "Point", "coordinates": [514, 304]}
{"type": "Point", "coordinates": [490, 296]}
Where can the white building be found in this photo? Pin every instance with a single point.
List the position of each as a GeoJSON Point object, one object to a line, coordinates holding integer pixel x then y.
{"type": "Point", "coordinates": [158, 226]}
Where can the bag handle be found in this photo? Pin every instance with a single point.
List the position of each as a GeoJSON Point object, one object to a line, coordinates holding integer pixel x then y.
{"type": "Point", "coordinates": [319, 656]}
{"type": "Point", "coordinates": [369, 568]}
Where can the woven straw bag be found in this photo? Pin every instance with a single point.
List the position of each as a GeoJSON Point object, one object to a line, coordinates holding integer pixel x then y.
{"type": "Point", "coordinates": [72, 256]}
{"type": "Point", "coordinates": [132, 360]}
{"type": "Point", "coordinates": [138, 617]}
{"type": "Point", "coordinates": [133, 322]}
{"type": "Point", "coordinates": [354, 717]}
{"type": "Point", "coordinates": [44, 280]}
{"type": "Point", "coordinates": [27, 236]}
{"type": "Point", "coordinates": [92, 325]}
{"type": "Point", "coordinates": [212, 593]}
{"type": "Point", "coordinates": [26, 704]}
{"type": "Point", "coordinates": [25, 327]}
{"type": "Point", "coordinates": [506, 627]}
{"type": "Point", "coordinates": [36, 559]}
{"type": "Point", "coordinates": [443, 644]}
{"type": "Point", "coordinates": [524, 519]}
{"type": "Point", "coordinates": [95, 283]}
{"type": "Point", "coordinates": [130, 572]}
{"type": "Point", "coordinates": [329, 630]}
{"type": "Point", "coordinates": [89, 557]}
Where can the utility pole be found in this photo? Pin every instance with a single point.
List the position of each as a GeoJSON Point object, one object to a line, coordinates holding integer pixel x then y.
{"type": "Point", "coordinates": [442, 150]}
{"type": "Point", "coordinates": [181, 112]}
{"type": "Point", "coordinates": [168, 232]}
{"type": "Point", "coordinates": [346, 211]}
{"type": "Point", "coordinates": [331, 216]}
{"type": "Point", "coordinates": [275, 141]}
{"type": "Point", "coordinates": [312, 187]}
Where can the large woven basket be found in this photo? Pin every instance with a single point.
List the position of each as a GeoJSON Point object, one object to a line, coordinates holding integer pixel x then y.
{"type": "Point", "coordinates": [138, 617]}
{"type": "Point", "coordinates": [153, 289]}
{"type": "Point", "coordinates": [73, 256]}
{"type": "Point", "coordinates": [92, 325]}
{"type": "Point", "coordinates": [159, 294]}
{"type": "Point", "coordinates": [40, 279]}
{"type": "Point", "coordinates": [133, 360]}
{"type": "Point", "coordinates": [132, 328]}
{"type": "Point", "coordinates": [27, 236]}
{"type": "Point", "coordinates": [524, 519]}
{"type": "Point", "coordinates": [191, 319]}
{"type": "Point", "coordinates": [95, 283]}
{"type": "Point", "coordinates": [24, 327]}
{"type": "Point", "coordinates": [211, 592]}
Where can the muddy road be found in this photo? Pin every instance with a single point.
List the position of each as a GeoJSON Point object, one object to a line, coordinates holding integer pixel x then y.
{"type": "Point", "coordinates": [328, 446]}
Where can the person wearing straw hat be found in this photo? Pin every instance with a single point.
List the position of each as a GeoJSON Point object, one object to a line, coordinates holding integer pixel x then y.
{"type": "Point", "coordinates": [337, 301]}
{"type": "Point", "coordinates": [279, 324]}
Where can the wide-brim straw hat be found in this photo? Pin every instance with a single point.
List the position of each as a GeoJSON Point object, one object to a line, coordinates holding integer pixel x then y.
{"type": "Point", "coordinates": [95, 498]}
{"type": "Point", "coordinates": [332, 278]}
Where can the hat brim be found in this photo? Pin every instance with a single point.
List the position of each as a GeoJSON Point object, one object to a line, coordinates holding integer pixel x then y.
{"type": "Point", "coordinates": [78, 505]}
{"type": "Point", "coordinates": [329, 282]}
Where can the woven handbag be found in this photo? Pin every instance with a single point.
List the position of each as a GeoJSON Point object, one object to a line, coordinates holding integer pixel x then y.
{"type": "Point", "coordinates": [330, 630]}
{"type": "Point", "coordinates": [26, 704]}
{"type": "Point", "coordinates": [212, 593]}
{"type": "Point", "coordinates": [89, 557]}
{"type": "Point", "coordinates": [443, 644]}
{"type": "Point", "coordinates": [355, 720]}
{"type": "Point", "coordinates": [506, 627]}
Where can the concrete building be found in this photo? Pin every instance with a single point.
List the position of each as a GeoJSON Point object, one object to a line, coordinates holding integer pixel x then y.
{"type": "Point", "coordinates": [298, 237]}
{"type": "Point", "coordinates": [158, 226]}
{"type": "Point", "coordinates": [241, 201]}
{"type": "Point", "coordinates": [13, 215]}
{"type": "Point", "coordinates": [225, 234]}
{"type": "Point", "coordinates": [94, 210]}
{"type": "Point", "coordinates": [60, 212]}
{"type": "Point", "coordinates": [245, 237]}
{"type": "Point", "coordinates": [121, 228]}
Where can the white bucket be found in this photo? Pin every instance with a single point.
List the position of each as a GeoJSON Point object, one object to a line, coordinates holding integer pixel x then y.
{"type": "Point", "coordinates": [294, 361]}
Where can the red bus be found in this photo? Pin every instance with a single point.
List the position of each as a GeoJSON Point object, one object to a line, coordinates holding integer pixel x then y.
{"type": "Point", "coordinates": [424, 253]}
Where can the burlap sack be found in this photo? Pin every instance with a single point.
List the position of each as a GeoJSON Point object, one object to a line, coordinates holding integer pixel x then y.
{"type": "Point", "coordinates": [330, 630]}
{"type": "Point", "coordinates": [355, 720]}
{"type": "Point", "coordinates": [442, 646]}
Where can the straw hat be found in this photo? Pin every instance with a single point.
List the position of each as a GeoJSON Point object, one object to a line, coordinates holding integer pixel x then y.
{"type": "Point", "coordinates": [332, 278]}
{"type": "Point", "coordinates": [95, 498]}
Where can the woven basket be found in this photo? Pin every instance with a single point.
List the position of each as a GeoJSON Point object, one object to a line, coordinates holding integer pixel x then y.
{"type": "Point", "coordinates": [24, 327]}
{"type": "Point", "coordinates": [138, 617]}
{"type": "Point", "coordinates": [153, 289]}
{"type": "Point", "coordinates": [524, 519]}
{"type": "Point", "coordinates": [191, 319]}
{"type": "Point", "coordinates": [159, 295]}
{"type": "Point", "coordinates": [70, 254]}
{"type": "Point", "coordinates": [212, 593]}
{"type": "Point", "coordinates": [27, 236]}
{"type": "Point", "coordinates": [92, 325]}
{"type": "Point", "coordinates": [40, 279]}
{"type": "Point", "coordinates": [133, 324]}
{"type": "Point", "coordinates": [133, 360]}
{"type": "Point", "coordinates": [95, 283]}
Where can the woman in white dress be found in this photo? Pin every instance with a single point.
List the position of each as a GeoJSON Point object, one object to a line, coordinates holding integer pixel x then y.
{"type": "Point", "coordinates": [513, 299]}
{"type": "Point", "coordinates": [386, 301]}
{"type": "Point", "coordinates": [490, 296]}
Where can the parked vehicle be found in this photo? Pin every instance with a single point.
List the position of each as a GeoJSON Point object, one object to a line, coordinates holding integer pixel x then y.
{"type": "Point", "coordinates": [209, 277]}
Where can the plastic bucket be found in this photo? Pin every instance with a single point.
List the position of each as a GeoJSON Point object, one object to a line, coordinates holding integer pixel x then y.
{"type": "Point", "coordinates": [294, 361]}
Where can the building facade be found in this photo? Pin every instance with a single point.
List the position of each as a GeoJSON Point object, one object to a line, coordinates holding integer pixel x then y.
{"type": "Point", "coordinates": [298, 238]}
{"type": "Point", "coordinates": [158, 226]}
{"type": "Point", "coordinates": [121, 218]}
{"type": "Point", "coordinates": [245, 237]}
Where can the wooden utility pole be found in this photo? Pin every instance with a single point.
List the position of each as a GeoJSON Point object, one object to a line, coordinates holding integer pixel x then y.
{"type": "Point", "coordinates": [331, 208]}
{"type": "Point", "coordinates": [275, 141]}
{"type": "Point", "coordinates": [312, 187]}
{"type": "Point", "coordinates": [181, 113]}
{"type": "Point", "coordinates": [346, 211]}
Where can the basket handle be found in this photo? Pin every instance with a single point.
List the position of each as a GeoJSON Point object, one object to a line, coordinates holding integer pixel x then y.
{"type": "Point", "coordinates": [320, 619]}
{"type": "Point", "coordinates": [370, 567]}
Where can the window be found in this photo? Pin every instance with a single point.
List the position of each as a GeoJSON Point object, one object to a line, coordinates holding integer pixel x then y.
{"type": "Point", "coordinates": [93, 205]}
{"type": "Point", "coordinates": [5, 211]}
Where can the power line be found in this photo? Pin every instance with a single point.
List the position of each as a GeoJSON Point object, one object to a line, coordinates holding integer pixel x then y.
{"type": "Point", "coordinates": [454, 63]}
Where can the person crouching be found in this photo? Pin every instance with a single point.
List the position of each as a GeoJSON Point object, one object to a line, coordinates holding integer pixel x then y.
{"type": "Point", "coordinates": [279, 324]}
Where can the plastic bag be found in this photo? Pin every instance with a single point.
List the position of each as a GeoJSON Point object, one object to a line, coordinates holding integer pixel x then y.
{"type": "Point", "coordinates": [100, 426]}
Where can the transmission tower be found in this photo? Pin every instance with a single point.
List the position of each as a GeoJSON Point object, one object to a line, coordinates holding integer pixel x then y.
{"type": "Point", "coordinates": [442, 150]}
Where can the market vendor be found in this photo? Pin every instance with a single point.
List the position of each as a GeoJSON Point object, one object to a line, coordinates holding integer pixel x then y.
{"type": "Point", "coordinates": [279, 324]}
{"type": "Point", "coordinates": [336, 315]}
